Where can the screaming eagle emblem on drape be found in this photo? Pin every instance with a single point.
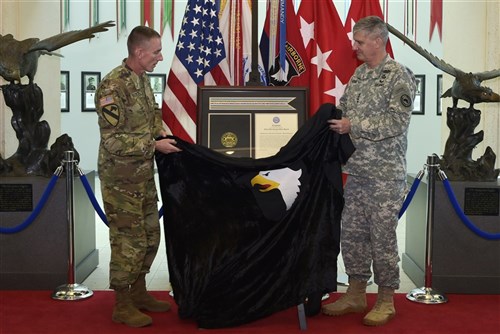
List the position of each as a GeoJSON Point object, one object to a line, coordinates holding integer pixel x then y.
{"type": "Point", "coordinates": [249, 237]}
{"type": "Point", "coordinates": [278, 187]}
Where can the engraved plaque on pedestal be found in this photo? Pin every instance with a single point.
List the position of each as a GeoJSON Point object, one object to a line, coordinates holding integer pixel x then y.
{"type": "Point", "coordinates": [481, 201]}
{"type": "Point", "coordinates": [16, 197]}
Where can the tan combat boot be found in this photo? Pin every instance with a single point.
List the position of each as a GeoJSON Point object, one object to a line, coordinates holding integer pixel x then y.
{"type": "Point", "coordinates": [384, 310]}
{"type": "Point", "coordinates": [125, 312]}
{"type": "Point", "coordinates": [143, 300]}
{"type": "Point", "coordinates": [353, 301]}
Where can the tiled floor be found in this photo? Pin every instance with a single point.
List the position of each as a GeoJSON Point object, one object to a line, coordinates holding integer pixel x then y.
{"type": "Point", "coordinates": [158, 279]}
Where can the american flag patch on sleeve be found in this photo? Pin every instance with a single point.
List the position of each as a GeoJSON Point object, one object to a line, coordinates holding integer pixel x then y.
{"type": "Point", "coordinates": [104, 101]}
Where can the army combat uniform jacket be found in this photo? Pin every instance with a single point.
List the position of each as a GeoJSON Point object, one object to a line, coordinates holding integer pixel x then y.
{"type": "Point", "coordinates": [378, 103]}
{"type": "Point", "coordinates": [129, 123]}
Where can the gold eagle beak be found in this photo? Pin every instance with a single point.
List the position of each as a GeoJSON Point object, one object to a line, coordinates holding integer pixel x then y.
{"type": "Point", "coordinates": [264, 184]}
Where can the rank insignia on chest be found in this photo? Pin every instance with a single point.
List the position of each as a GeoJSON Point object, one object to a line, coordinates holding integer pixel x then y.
{"type": "Point", "coordinates": [111, 114]}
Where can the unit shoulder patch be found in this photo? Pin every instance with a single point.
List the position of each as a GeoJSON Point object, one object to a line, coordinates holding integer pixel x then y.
{"type": "Point", "coordinates": [111, 114]}
{"type": "Point", "coordinates": [404, 95]}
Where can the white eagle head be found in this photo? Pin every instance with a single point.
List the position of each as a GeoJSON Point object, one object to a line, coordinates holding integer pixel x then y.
{"type": "Point", "coordinates": [286, 180]}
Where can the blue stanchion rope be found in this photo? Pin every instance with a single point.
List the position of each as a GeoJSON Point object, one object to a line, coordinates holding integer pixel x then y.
{"type": "Point", "coordinates": [410, 195]}
{"type": "Point", "coordinates": [92, 198]}
{"type": "Point", "coordinates": [38, 208]}
{"type": "Point", "coordinates": [463, 217]}
{"type": "Point", "coordinates": [46, 194]}
{"type": "Point", "coordinates": [94, 202]}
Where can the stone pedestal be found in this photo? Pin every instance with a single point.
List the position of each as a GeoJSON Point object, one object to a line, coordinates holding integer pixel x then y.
{"type": "Point", "coordinates": [462, 261]}
{"type": "Point", "coordinates": [36, 258]}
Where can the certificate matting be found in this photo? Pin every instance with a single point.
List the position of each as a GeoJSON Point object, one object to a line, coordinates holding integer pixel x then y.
{"type": "Point", "coordinates": [230, 134]}
{"type": "Point", "coordinates": [261, 119]}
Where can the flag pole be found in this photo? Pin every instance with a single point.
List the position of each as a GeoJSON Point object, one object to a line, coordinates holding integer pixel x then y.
{"type": "Point", "coordinates": [254, 79]}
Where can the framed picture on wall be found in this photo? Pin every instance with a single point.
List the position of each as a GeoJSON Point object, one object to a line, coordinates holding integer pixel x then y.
{"type": "Point", "coordinates": [439, 107]}
{"type": "Point", "coordinates": [64, 91]}
{"type": "Point", "coordinates": [90, 80]}
{"type": "Point", "coordinates": [158, 85]}
{"type": "Point", "coordinates": [419, 103]}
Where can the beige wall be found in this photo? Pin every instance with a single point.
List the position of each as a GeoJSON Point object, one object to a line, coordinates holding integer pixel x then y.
{"type": "Point", "coordinates": [28, 19]}
{"type": "Point", "coordinates": [491, 114]}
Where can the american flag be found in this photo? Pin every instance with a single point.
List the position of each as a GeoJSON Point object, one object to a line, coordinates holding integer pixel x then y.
{"type": "Point", "coordinates": [200, 59]}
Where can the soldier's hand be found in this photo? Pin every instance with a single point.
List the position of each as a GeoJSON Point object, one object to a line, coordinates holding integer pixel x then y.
{"type": "Point", "coordinates": [340, 126]}
{"type": "Point", "coordinates": [166, 146]}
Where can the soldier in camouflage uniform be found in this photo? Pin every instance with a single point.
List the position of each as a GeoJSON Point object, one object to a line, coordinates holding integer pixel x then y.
{"type": "Point", "coordinates": [376, 105]}
{"type": "Point", "coordinates": [129, 122]}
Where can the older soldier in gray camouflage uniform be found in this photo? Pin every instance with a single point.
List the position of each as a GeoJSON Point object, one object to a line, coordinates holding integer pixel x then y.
{"type": "Point", "coordinates": [376, 106]}
{"type": "Point", "coordinates": [129, 122]}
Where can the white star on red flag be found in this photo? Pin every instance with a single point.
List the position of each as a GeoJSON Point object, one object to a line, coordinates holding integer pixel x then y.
{"type": "Point", "coordinates": [307, 31]}
{"type": "Point", "coordinates": [321, 60]}
{"type": "Point", "coordinates": [338, 91]}
{"type": "Point", "coordinates": [328, 48]}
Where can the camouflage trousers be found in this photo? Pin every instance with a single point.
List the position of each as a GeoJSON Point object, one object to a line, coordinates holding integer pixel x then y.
{"type": "Point", "coordinates": [368, 235]}
{"type": "Point", "coordinates": [134, 229]}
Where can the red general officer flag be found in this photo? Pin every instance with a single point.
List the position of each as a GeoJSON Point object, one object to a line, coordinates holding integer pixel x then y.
{"type": "Point", "coordinates": [328, 50]}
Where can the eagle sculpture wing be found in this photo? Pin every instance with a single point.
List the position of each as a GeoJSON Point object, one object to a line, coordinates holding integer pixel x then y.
{"type": "Point", "coordinates": [466, 86]}
{"type": "Point", "coordinates": [58, 41]}
{"type": "Point", "coordinates": [488, 75]}
{"type": "Point", "coordinates": [442, 65]}
{"type": "Point", "coordinates": [20, 58]}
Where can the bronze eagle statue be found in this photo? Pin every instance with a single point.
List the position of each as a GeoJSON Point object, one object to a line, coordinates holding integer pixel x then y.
{"type": "Point", "coordinates": [466, 86]}
{"type": "Point", "coordinates": [20, 58]}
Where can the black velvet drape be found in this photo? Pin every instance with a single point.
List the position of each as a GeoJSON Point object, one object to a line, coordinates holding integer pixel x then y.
{"type": "Point", "coordinates": [236, 254]}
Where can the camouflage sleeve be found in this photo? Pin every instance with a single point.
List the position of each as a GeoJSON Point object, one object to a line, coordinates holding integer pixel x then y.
{"type": "Point", "coordinates": [116, 135]}
{"type": "Point", "coordinates": [158, 122]}
{"type": "Point", "coordinates": [343, 101]}
{"type": "Point", "coordinates": [394, 117]}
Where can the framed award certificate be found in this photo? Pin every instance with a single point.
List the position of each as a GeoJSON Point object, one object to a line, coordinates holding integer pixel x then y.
{"type": "Point", "coordinates": [253, 122]}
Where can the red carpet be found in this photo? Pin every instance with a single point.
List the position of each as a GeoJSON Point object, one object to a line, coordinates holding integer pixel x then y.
{"type": "Point", "coordinates": [36, 312]}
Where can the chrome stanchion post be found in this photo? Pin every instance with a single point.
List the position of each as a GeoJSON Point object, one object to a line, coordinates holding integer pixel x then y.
{"type": "Point", "coordinates": [72, 290]}
{"type": "Point", "coordinates": [426, 294]}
